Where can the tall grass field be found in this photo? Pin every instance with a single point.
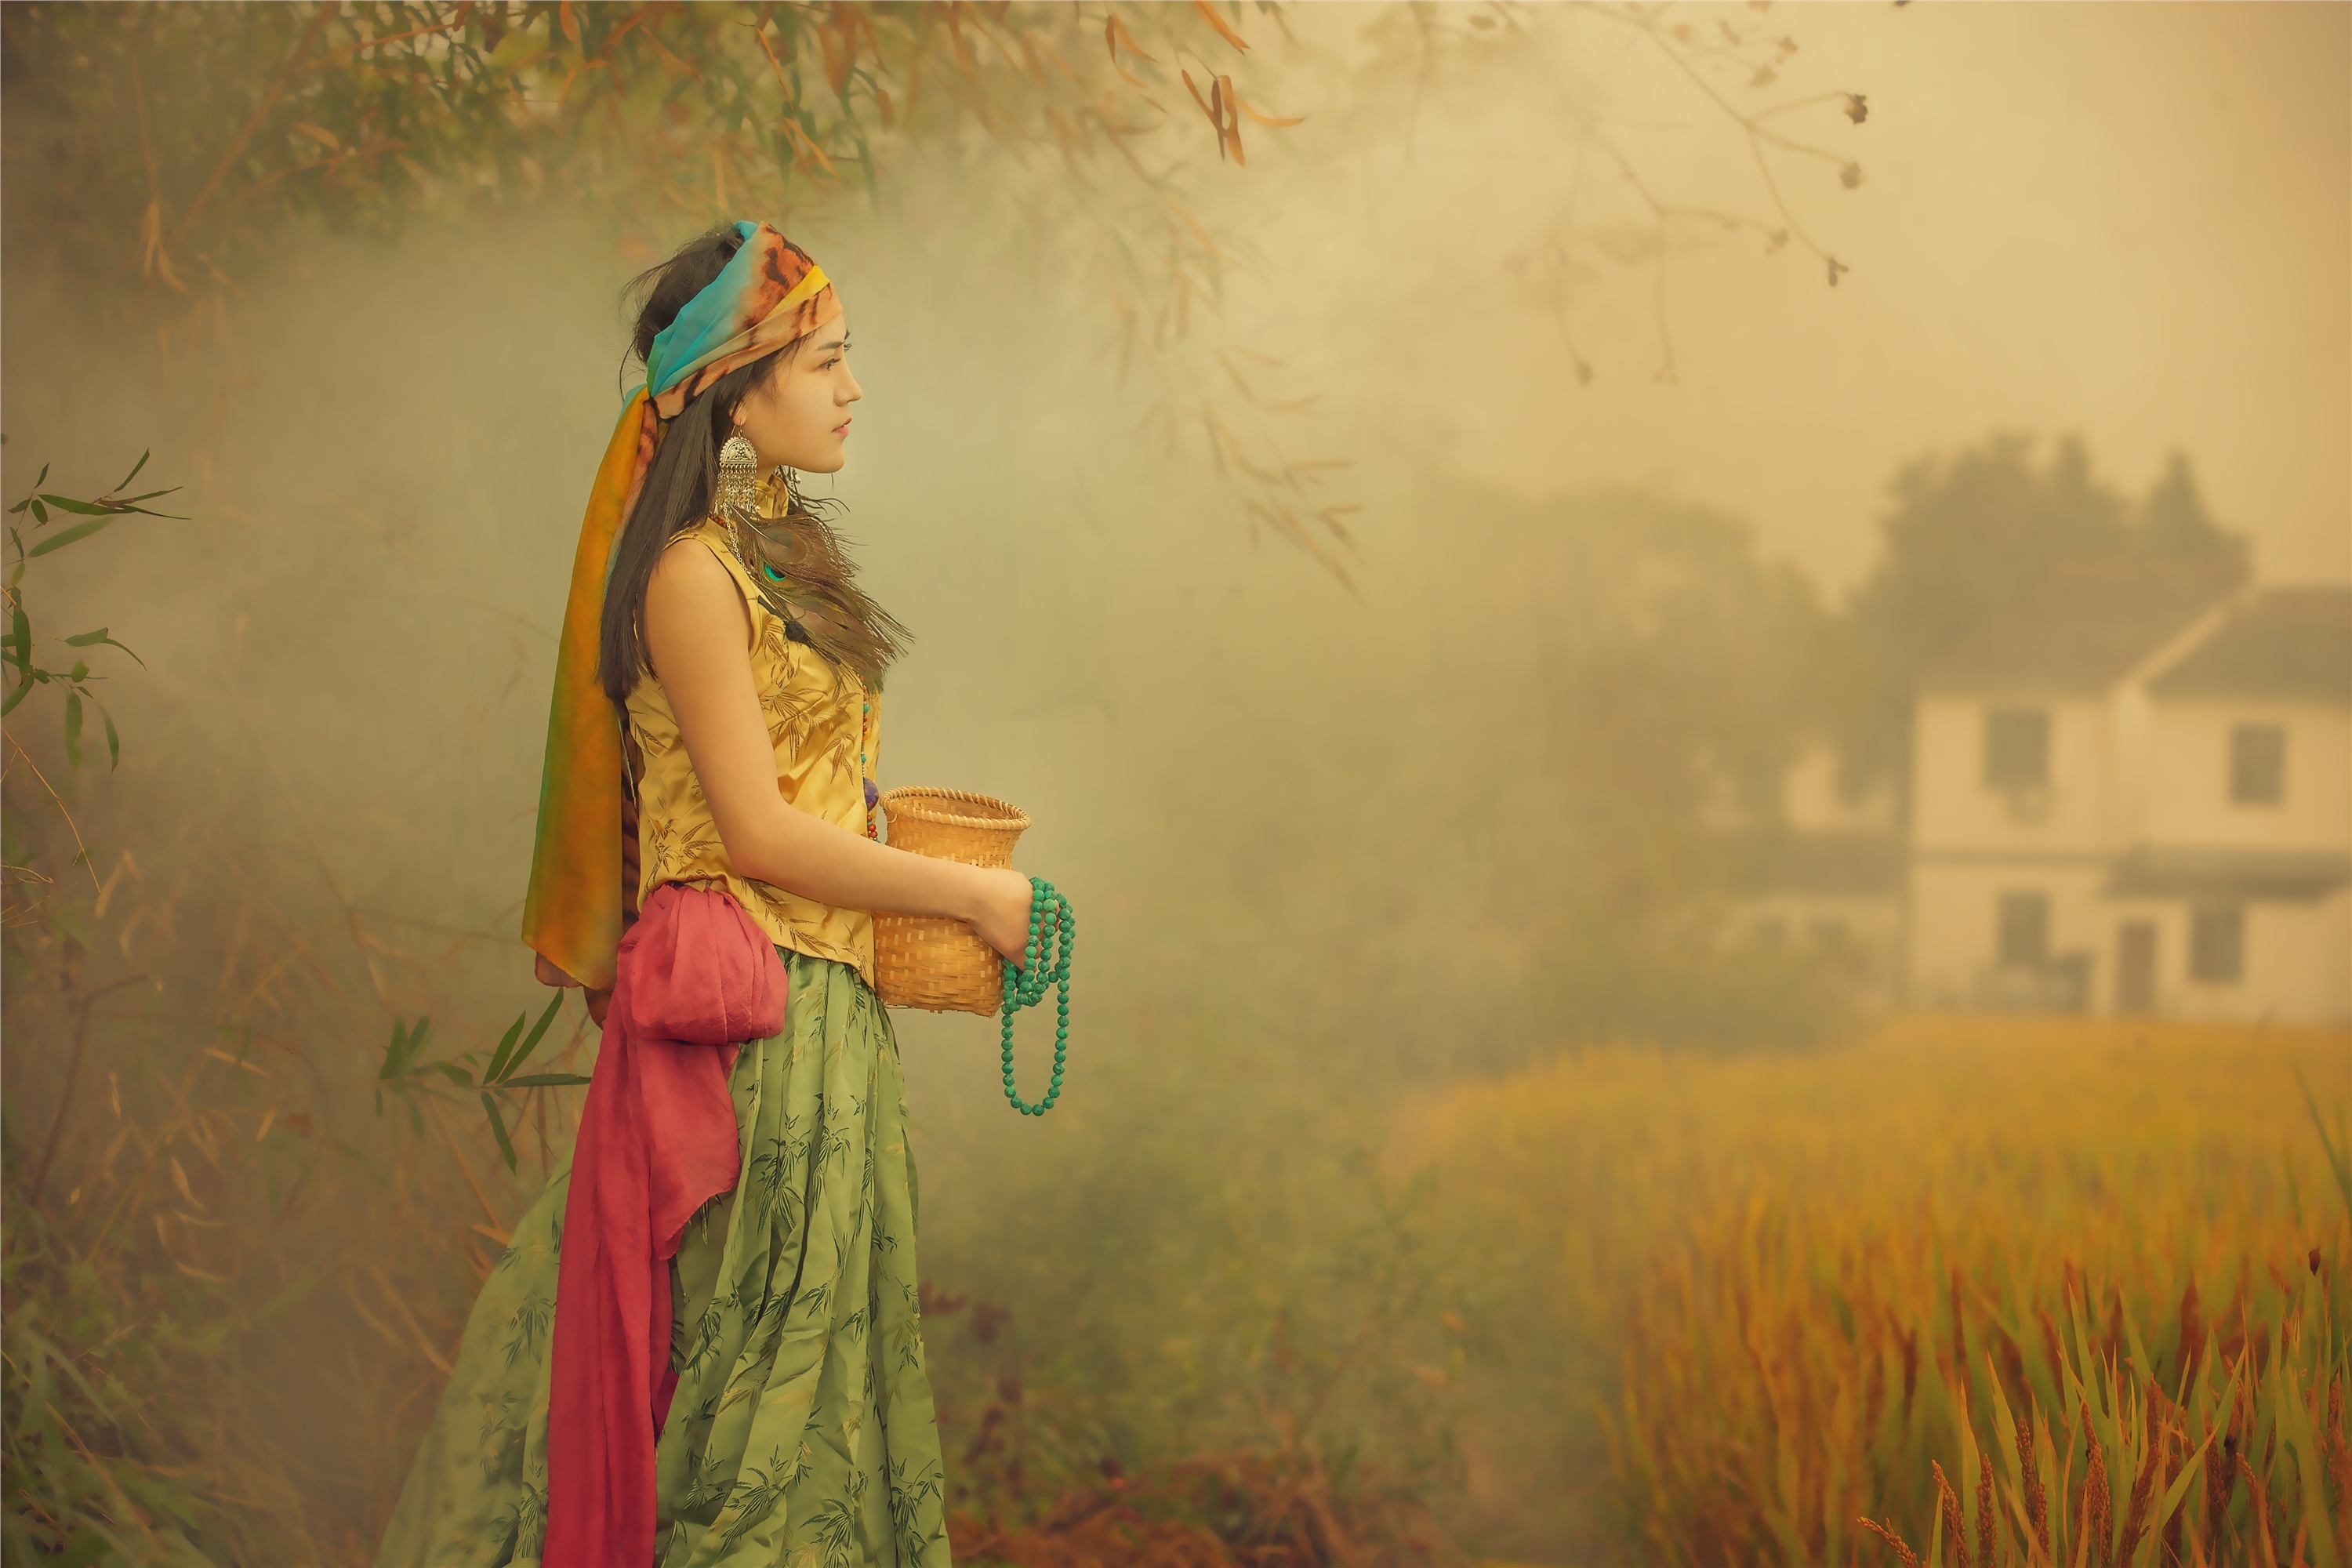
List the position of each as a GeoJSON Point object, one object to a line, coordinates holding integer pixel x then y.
{"type": "Point", "coordinates": [1978, 1293]}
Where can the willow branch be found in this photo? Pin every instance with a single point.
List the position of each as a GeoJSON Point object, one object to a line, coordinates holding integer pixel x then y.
{"type": "Point", "coordinates": [318, 20]}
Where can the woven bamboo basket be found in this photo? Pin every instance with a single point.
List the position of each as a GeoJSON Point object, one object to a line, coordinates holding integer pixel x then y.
{"type": "Point", "coordinates": [926, 960]}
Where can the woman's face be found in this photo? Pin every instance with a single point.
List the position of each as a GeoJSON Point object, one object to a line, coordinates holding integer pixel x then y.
{"type": "Point", "coordinates": [800, 417]}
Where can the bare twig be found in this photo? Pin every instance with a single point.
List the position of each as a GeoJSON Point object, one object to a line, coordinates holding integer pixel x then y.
{"type": "Point", "coordinates": [73, 1073]}
{"type": "Point", "coordinates": [83, 859]}
{"type": "Point", "coordinates": [320, 18]}
{"type": "Point", "coordinates": [1758, 134]}
{"type": "Point", "coordinates": [464, 1168]}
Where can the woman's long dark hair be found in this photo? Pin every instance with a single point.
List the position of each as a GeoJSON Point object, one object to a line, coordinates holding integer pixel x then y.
{"type": "Point", "coordinates": [676, 493]}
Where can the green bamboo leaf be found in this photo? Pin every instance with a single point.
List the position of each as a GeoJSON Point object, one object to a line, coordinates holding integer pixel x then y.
{"type": "Point", "coordinates": [537, 1031]}
{"type": "Point", "coordinates": [91, 639]}
{"type": "Point", "coordinates": [113, 740]}
{"type": "Point", "coordinates": [40, 512]}
{"type": "Point", "coordinates": [59, 540]}
{"type": "Point", "coordinates": [134, 470]}
{"type": "Point", "coordinates": [543, 1080]}
{"type": "Point", "coordinates": [453, 1072]}
{"type": "Point", "coordinates": [38, 481]}
{"type": "Point", "coordinates": [73, 727]}
{"type": "Point", "coordinates": [20, 641]}
{"type": "Point", "coordinates": [83, 508]}
{"type": "Point", "coordinates": [391, 1067]}
{"type": "Point", "coordinates": [506, 1044]}
{"type": "Point", "coordinates": [498, 1128]}
{"type": "Point", "coordinates": [400, 1055]}
{"type": "Point", "coordinates": [130, 504]}
{"type": "Point", "coordinates": [8, 703]}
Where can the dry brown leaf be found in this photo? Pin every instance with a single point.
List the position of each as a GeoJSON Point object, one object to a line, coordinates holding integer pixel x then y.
{"type": "Point", "coordinates": [180, 1180]}
{"type": "Point", "coordinates": [1225, 29]}
{"type": "Point", "coordinates": [1266, 119]}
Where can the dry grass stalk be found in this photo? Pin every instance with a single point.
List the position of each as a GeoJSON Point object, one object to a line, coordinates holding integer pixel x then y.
{"type": "Point", "coordinates": [2037, 1501]}
{"type": "Point", "coordinates": [2156, 1438]}
{"type": "Point", "coordinates": [2259, 1496]}
{"type": "Point", "coordinates": [1987, 1526]}
{"type": "Point", "coordinates": [2177, 1519]}
{"type": "Point", "coordinates": [2220, 1471]}
{"type": "Point", "coordinates": [2338, 1458]}
{"type": "Point", "coordinates": [204, 1191]}
{"type": "Point", "coordinates": [2191, 1339]}
{"type": "Point", "coordinates": [2097, 1511]}
{"type": "Point", "coordinates": [1903, 1553]}
{"type": "Point", "coordinates": [1948, 1504]}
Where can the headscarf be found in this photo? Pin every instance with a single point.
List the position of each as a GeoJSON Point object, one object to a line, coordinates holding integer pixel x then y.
{"type": "Point", "coordinates": [769, 295]}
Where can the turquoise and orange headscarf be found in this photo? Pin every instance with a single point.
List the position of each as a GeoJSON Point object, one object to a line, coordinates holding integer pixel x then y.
{"type": "Point", "coordinates": [769, 294]}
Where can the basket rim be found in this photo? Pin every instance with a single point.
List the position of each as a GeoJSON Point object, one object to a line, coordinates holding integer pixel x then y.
{"type": "Point", "coordinates": [914, 797]}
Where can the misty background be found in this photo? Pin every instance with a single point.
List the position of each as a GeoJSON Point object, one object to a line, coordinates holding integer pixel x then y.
{"type": "Point", "coordinates": [1338, 839]}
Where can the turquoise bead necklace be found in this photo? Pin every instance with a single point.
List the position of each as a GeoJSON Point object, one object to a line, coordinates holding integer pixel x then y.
{"type": "Point", "coordinates": [1053, 931]}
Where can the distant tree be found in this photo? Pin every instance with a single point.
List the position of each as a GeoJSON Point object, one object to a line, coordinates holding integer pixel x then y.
{"type": "Point", "coordinates": [2174, 521]}
{"type": "Point", "coordinates": [1972, 531]}
{"type": "Point", "coordinates": [1657, 670]}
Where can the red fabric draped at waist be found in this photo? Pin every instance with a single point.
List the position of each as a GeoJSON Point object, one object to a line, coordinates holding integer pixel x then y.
{"type": "Point", "coordinates": [696, 980]}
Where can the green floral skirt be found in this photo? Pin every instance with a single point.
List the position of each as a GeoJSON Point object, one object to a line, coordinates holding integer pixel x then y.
{"type": "Point", "coordinates": [803, 1432]}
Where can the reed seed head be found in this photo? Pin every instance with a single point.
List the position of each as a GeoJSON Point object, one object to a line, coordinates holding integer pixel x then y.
{"type": "Point", "coordinates": [1956, 1529]}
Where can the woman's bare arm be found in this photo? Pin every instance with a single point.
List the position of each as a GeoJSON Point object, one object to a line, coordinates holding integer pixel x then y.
{"type": "Point", "coordinates": [697, 632]}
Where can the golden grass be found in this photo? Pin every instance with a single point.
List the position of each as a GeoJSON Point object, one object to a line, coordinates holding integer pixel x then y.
{"type": "Point", "coordinates": [1810, 1271]}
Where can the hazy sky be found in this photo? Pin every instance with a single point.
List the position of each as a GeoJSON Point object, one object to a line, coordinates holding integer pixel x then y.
{"type": "Point", "coordinates": [2131, 221]}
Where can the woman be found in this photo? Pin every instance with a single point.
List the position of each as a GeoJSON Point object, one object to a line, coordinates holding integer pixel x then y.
{"type": "Point", "coordinates": [743, 1169]}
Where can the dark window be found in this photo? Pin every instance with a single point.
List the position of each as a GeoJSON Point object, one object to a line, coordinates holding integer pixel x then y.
{"type": "Point", "coordinates": [2217, 944]}
{"type": "Point", "coordinates": [2017, 748]}
{"type": "Point", "coordinates": [2024, 934]}
{"type": "Point", "coordinates": [2258, 764]}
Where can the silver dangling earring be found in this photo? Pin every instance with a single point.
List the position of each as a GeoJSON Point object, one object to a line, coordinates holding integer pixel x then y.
{"type": "Point", "coordinates": [737, 497]}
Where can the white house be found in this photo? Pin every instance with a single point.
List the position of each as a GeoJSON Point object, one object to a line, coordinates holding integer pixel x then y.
{"type": "Point", "coordinates": [2134, 793]}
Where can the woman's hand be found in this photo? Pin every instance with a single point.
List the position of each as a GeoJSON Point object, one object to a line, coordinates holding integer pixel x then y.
{"type": "Point", "coordinates": [1001, 918]}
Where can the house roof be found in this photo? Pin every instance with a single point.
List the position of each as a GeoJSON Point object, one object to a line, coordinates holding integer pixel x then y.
{"type": "Point", "coordinates": [2230, 875]}
{"type": "Point", "coordinates": [2085, 628]}
{"type": "Point", "coordinates": [2289, 642]}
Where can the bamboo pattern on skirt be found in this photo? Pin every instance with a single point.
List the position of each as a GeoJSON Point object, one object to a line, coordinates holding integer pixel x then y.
{"type": "Point", "coordinates": [802, 1434]}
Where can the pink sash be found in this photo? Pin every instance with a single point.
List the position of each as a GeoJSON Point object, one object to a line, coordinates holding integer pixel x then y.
{"type": "Point", "coordinates": [696, 980]}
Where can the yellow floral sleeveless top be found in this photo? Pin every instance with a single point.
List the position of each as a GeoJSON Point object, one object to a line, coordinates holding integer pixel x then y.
{"type": "Point", "coordinates": [821, 720]}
